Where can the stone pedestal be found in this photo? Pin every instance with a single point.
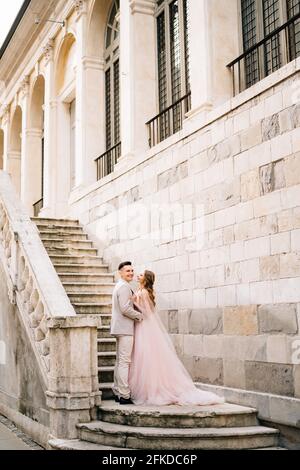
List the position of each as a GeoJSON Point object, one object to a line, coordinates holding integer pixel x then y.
{"type": "Point", "coordinates": [73, 389]}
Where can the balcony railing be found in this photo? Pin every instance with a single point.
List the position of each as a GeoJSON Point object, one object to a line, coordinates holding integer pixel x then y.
{"type": "Point", "coordinates": [37, 207]}
{"type": "Point", "coordinates": [107, 161]}
{"type": "Point", "coordinates": [275, 50]}
{"type": "Point", "coordinates": [169, 121]}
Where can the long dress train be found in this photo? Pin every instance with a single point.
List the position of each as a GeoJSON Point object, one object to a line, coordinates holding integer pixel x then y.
{"type": "Point", "coordinates": [157, 376]}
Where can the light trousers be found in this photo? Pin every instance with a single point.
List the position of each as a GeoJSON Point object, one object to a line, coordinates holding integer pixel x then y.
{"type": "Point", "coordinates": [123, 361]}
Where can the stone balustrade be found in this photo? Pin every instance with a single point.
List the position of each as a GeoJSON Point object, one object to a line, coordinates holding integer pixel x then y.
{"type": "Point", "coordinates": [55, 332]}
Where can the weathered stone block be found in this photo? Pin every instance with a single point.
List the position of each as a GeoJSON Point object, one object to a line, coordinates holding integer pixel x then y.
{"type": "Point", "coordinates": [173, 322]}
{"type": "Point", "coordinates": [250, 185]}
{"type": "Point", "coordinates": [296, 371]}
{"type": "Point", "coordinates": [206, 321]}
{"type": "Point", "coordinates": [208, 370]}
{"type": "Point", "coordinates": [241, 320]}
{"type": "Point", "coordinates": [270, 378]}
{"type": "Point", "coordinates": [290, 265]}
{"type": "Point", "coordinates": [251, 137]}
{"type": "Point", "coordinates": [172, 176]}
{"type": "Point", "coordinates": [269, 267]}
{"type": "Point", "coordinates": [234, 373]}
{"type": "Point", "coordinates": [280, 318]}
{"type": "Point", "coordinates": [292, 169]}
{"type": "Point", "coordinates": [270, 127]}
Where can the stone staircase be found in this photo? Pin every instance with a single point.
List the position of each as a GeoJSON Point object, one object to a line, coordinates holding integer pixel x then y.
{"type": "Point", "coordinates": [87, 281]}
{"type": "Point", "coordinates": [89, 285]}
{"type": "Point", "coordinates": [217, 427]}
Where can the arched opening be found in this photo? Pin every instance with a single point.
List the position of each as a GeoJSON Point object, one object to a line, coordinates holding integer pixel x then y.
{"type": "Point", "coordinates": [15, 149]}
{"type": "Point", "coordinates": [112, 77]}
{"type": "Point", "coordinates": [1, 149]}
{"type": "Point", "coordinates": [65, 83]}
{"type": "Point", "coordinates": [35, 146]}
{"type": "Point", "coordinates": [100, 38]}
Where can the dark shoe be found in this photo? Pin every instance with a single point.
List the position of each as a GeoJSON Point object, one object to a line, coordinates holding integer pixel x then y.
{"type": "Point", "coordinates": [126, 401]}
{"type": "Point", "coordinates": [117, 399]}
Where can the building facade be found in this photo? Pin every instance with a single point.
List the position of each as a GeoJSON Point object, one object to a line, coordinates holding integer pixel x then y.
{"type": "Point", "coordinates": [171, 130]}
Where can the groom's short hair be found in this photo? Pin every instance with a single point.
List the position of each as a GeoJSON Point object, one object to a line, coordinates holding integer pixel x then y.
{"type": "Point", "coordinates": [125, 263]}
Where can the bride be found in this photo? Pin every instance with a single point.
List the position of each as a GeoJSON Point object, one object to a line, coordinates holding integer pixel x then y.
{"type": "Point", "coordinates": [157, 376]}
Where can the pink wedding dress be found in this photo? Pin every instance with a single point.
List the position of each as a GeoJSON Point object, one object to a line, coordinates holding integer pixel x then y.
{"type": "Point", "coordinates": [157, 376]}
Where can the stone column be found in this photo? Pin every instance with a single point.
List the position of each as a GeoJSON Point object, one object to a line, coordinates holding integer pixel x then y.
{"type": "Point", "coordinates": [138, 73]}
{"type": "Point", "coordinates": [200, 56]}
{"type": "Point", "coordinates": [5, 128]}
{"type": "Point", "coordinates": [80, 148]}
{"type": "Point", "coordinates": [214, 42]}
{"type": "Point", "coordinates": [49, 133]}
{"type": "Point", "coordinates": [73, 389]}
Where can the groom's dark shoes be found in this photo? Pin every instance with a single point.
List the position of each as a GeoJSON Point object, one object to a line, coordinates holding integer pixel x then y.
{"type": "Point", "coordinates": [126, 401]}
{"type": "Point", "coordinates": [117, 399]}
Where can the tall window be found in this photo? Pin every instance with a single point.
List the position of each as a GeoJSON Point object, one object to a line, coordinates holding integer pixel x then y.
{"type": "Point", "coordinates": [271, 38]}
{"type": "Point", "coordinates": [173, 64]}
{"type": "Point", "coordinates": [112, 77]}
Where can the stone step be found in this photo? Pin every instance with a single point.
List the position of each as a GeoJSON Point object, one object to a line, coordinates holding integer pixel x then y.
{"type": "Point", "coordinates": [103, 309]}
{"type": "Point", "coordinates": [87, 278]}
{"type": "Point", "coordinates": [131, 437]}
{"type": "Point", "coordinates": [106, 374]}
{"type": "Point", "coordinates": [89, 297]}
{"type": "Point", "coordinates": [76, 259]}
{"type": "Point", "coordinates": [107, 344]}
{"type": "Point", "coordinates": [104, 332]}
{"type": "Point", "coordinates": [81, 269]}
{"type": "Point", "coordinates": [84, 287]}
{"type": "Point", "coordinates": [106, 390]}
{"type": "Point", "coordinates": [52, 235]}
{"type": "Point", "coordinates": [106, 359]}
{"type": "Point", "coordinates": [77, 444]}
{"type": "Point", "coordinates": [57, 229]}
{"type": "Point", "coordinates": [60, 243]}
{"type": "Point", "coordinates": [69, 251]}
{"type": "Point", "coordinates": [46, 221]}
{"type": "Point", "coordinates": [221, 416]}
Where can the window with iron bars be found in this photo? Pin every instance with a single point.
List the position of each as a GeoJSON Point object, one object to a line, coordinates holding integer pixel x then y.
{"type": "Point", "coordinates": [173, 69]}
{"type": "Point", "coordinates": [270, 31]}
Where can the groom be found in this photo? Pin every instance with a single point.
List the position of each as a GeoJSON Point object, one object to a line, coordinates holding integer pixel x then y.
{"type": "Point", "coordinates": [122, 327]}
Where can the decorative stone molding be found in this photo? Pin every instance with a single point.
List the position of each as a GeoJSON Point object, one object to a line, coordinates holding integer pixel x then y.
{"type": "Point", "coordinates": [48, 51]}
{"type": "Point", "coordinates": [24, 86]}
{"type": "Point", "coordinates": [93, 63]}
{"type": "Point", "coordinates": [5, 114]}
{"type": "Point", "coordinates": [80, 6]}
{"type": "Point", "coordinates": [146, 7]}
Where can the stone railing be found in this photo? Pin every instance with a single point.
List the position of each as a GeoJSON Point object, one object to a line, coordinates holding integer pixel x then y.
{"type": "Point", "coordinates": [55, 332]}
{"type": "Point", "coordinates": [33, 284]}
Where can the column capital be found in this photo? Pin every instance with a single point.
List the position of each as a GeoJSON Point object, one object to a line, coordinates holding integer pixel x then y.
{"type": "Point", "coordinates": [80, 6]}
{"type": "Point", "coordinates": [48, 51]}
{"type": "Point", "coordinates": [146, 7]}
{"type": "Point", "coordinates": [24, 86]}
{"type": "Point", "coordinates": [5, 114]}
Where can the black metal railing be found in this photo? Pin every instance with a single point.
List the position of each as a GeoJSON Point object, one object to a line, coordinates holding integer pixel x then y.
{"type": "Point", "coordinates": [276, 49]}
{"type": "Point", "coordinates": [37, 207]}
{"type": "Point", "coordinates": [107, 161]}
{"type": "Point", "coordinates": [169, 121]}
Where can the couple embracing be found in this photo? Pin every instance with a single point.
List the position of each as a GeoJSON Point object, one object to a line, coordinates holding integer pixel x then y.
{"type": "Point", "coordinates": [148, 370]}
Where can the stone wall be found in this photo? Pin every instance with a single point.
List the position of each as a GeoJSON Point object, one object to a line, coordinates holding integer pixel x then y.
{"type": "Point", "coordinates": [232, 304]}
{"type": "Point", "coordinates": [22, 397]}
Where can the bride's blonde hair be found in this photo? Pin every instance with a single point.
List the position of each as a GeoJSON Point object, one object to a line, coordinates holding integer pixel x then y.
{"type": "Point", "coordinates": [149, 279]}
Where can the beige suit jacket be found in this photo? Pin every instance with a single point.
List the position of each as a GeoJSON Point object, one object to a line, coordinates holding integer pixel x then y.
{"type": "Point", "coordinates": [123, 313]}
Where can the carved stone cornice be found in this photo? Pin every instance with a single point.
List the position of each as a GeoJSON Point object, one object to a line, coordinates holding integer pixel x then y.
{"type": "Point", "coordinates": [48, 51]}
{"type": "Point", "coordinates": [80, 6]}
{"type": "Point", "coordinates": [146, 7]}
